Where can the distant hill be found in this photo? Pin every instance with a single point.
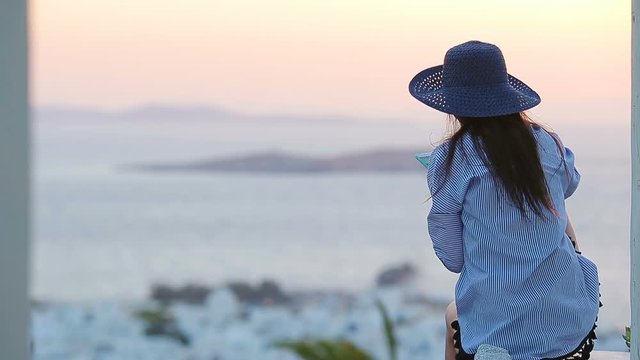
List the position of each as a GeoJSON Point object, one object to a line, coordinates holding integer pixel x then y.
{"type": "Point", "coordinates": [173, 113]}
{"type": "Point", "coordinates": [149, 112]}
{"type": "Point", "coordinates": [381, 160]}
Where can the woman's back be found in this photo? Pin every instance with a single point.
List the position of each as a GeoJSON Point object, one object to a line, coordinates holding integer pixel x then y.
{"type": "Point", "coordinates": [522, 286]}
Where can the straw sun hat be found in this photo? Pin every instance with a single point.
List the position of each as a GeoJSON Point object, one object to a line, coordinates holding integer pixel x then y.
{"type": "Point", "coordinates": [473, 82]}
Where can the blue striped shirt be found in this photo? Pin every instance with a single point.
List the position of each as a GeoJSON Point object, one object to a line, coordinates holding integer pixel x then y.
{"type": "Point", "coordinates": [522, 286]}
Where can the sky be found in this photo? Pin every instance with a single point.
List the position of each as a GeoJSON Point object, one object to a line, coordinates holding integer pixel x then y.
{"type": "Point", "coordinates": [322, 57]}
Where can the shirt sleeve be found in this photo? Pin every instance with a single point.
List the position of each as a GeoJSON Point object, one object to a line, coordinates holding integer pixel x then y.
{"type": "Point", "coordinates": [571, 176]}
{"type": "Point", "coordinates": [444, 219]}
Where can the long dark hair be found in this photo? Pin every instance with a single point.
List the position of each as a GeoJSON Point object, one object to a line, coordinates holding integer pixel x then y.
{"type": "Point", "coordinates": [508, 148]}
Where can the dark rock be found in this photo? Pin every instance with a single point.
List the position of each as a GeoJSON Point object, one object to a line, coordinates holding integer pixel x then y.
{"type": "Point", "coordinates": [270, 292]}
{"type": "Point", "coordinates": [396, 275]}
{"type": "Point", "coordinates": [191, 294]}
{"type": "Point", "coordinates": [242, 290]}
{"type": "Point", "coordinates": [266, 293]}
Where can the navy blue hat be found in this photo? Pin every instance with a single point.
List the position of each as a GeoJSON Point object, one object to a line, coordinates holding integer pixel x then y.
{"type": "Point", "coordinates": [473, 82]}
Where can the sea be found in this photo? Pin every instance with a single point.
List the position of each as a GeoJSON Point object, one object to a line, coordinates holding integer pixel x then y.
{"type": "Point", "coordinates": [102, 232]}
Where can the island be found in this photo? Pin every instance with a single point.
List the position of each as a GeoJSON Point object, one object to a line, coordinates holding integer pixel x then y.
{"type": "Point", "coordinates": [377, 160]}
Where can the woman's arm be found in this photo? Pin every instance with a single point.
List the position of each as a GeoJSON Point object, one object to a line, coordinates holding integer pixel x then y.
{"type": "Point", "coordinates": [445, 230]}
{"type": "Point", "coordinates": [444, 219]}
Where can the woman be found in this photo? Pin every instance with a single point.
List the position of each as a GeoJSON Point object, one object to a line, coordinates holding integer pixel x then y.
{"type": "Point", "coordinates": [498, 217]}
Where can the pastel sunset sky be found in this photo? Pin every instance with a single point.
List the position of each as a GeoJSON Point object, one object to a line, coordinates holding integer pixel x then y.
{"type": "Point", "coordinates": [347, 57]}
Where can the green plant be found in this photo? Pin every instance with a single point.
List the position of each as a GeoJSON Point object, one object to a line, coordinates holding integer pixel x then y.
{"type": "Point", "coordinates": [152, 316]}
{"type": "Point", "coordinates": [627, 336]}
{"type": "Point", "coordinates": [160, 322]}
{"type": "Point", "coordinates": [389, 331]}
{"type": "Point", "coordinates": [325, 350]}
{"type": "Point", "coordinates": [322, 349]}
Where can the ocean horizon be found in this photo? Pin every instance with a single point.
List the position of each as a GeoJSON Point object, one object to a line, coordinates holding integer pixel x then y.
{"type": "Point", "coordinates": [105, 234]}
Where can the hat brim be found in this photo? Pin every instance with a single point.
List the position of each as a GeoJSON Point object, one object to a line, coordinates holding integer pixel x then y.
{"type": "Point", "coordinates": [473, 101]}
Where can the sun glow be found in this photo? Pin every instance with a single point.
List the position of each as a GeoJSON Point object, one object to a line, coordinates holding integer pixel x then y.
{"type": "Point", "coordinates": [331, 56]}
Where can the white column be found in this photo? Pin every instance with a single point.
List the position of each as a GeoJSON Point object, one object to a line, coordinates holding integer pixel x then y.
{"type": "Point", "coordinates": [14, 182]}
{"type": "Point", "coordinates": [635, 182]}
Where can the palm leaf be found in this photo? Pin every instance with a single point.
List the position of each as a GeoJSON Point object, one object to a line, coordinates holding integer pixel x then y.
{"type": "Point", "coordinates": [347, 350]}
{"type": "Point", "coordinates": [627, 336]}
{"type": "Point", "coordinates": [324, 350]}
{"type": "Point", "coordinates": [389, 332]}
{"type": "Point", "coordinates": [303, 349]}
